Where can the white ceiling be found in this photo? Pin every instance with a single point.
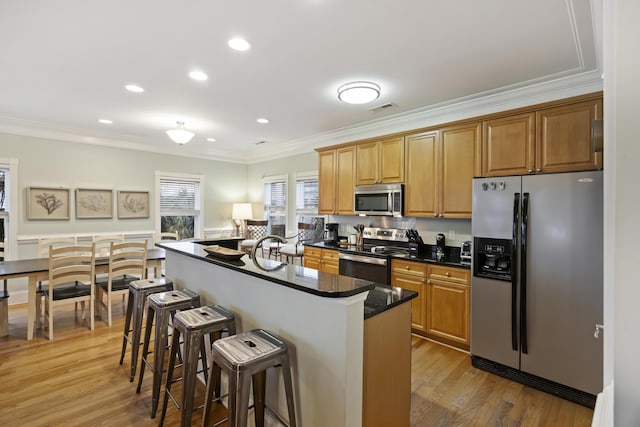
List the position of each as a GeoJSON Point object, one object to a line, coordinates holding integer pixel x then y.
{"type": "Point", "coordinates": [64, 64]}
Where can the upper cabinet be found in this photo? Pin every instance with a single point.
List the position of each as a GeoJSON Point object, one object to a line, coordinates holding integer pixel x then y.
{"type": "Point", "coordinates": [508, 145]}
{"type": "Point", "coordinates": [556, 139]}
{"type": "Point", "coordinates": [380, 161]}
{"type": "Point", "coordinates": [563, 138]}
{"type": "Point", "coordinates": [440, 168]}
{"type": "Point", "coordinates": [336, 181]}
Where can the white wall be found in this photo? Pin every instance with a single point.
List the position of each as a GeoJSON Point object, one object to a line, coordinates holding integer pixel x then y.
{"type": "Point", "coordinates": [622, 295]}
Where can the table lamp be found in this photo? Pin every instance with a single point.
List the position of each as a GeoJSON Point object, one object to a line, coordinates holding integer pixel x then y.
{"type": "Point", "coordinates": [240, 213]}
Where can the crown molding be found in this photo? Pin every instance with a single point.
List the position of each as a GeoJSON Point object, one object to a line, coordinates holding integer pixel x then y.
{"type": "Point", "coordinates": [501, 99]}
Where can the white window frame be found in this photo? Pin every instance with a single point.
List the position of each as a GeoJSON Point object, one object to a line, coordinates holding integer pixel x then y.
{"type": "Point", "coordinates": [199, 215]}
{"type": "Point", "coordinates": [304, 176]}
{"type": "Point", "coordinates": [271, 179]}
{"type": "Point", "coordinates": [11, 214]}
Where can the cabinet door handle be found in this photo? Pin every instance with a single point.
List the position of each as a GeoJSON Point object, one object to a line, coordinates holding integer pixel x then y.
{"type": "Point", "coordinates": [447, 274]}
{"type": "Point", "coordinates": [538, 170]}
{"type": "Point", "coordinates": [530, 171]}
{"type": "Point", "coordinates": [428, 280]}
{"type": "Point", "coordinates": [406, 266]}
{"type": "Point", "coordinates": [435, 215]}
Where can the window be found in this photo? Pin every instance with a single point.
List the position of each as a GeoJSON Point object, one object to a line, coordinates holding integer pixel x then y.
{"type": "Point", "coordinates": [4, 215]}
{"type": "Point", "coordinates": [275, 203]}
{"type": "Point", "coordinates": [8, 202]}
{"type": "Point", "coordinates": [179, 202]}
{"type": "Point", "coordinates": [306, 194]}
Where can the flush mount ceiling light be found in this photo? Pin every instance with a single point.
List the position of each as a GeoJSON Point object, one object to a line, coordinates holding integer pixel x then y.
{"type": "Point", "coordinates": [262, 120]}
{"type": "Point", "coordinates": [134, 88]}
{"type": "Point", "coordinates": [239, 44]}
{"type": "Point", "coordinates": [358, 92]}
{"type": "Point", "coordinates": [180, 135]}
{"type": "Point", "coordinates": [198, 75]}
{"type": "Point", "coordinates": [105, 121]}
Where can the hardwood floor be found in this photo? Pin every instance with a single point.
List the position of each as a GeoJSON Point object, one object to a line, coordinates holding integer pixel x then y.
{"type": "Point", "coordinates": [76, 381]}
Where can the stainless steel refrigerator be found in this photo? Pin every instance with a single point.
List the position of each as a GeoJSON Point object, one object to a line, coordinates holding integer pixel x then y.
{"type": "Point", "coordinates": [537, 284]}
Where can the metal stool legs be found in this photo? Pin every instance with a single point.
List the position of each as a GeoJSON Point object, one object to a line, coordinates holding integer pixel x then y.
{"type": "Point", "coordinates": [139, 290]}
{"type": "Point", "coordinates": [163, 305]}
{"type": "Point", "coordinates": [193, 326]}
{"type": "Point", "coordinates": [246, 357]}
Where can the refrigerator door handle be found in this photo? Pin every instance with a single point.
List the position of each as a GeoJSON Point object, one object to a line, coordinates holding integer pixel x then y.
{"type": "Point", "coordinates": [523, 273]}
{"type": "Point", "coordinates": [514, 276]}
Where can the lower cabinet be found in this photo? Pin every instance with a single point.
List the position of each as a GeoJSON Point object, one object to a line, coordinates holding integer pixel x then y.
{"type": "Point", "coordinates": [442, 309]}
{"type": "Point", "coordinates": [321, 259]}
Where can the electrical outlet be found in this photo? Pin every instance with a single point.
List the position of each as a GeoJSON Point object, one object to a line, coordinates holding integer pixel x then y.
{"type": "Point", "coordinates": [452, 234]}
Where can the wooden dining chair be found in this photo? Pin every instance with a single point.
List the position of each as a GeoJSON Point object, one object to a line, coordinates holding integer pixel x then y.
{"type": "Point", "coordinates": [71, 274]}
{"type": "Point", "coordinates": [165, 236]}
{"type": "Point", "coordinates": [4, 301]}
{"type": "Point", "coordinates": [306, 233]}
{"type": "Point", "coordinates": [127, 262]}
{"type": "Point", "coordinates": [44, 243]}
{"type": "Point", "coordinates": [103, 242]}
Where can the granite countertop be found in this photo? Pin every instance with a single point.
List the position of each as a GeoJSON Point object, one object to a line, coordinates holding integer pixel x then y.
{"type": "Point", "coordinates": [451, 259]}
{"type": "Point", "coordinates": [380, 298]}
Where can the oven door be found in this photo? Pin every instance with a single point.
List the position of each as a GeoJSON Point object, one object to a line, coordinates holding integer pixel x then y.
{"type": "Point", "coordinates": [369, 268]}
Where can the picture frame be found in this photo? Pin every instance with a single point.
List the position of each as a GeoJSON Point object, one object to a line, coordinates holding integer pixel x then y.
{"type": "Point", "coordinates": [48, 203]}
{"type": "Point", "coordinates": [133, 204]}
{"type": "Point", "coordinates": [94, 203]}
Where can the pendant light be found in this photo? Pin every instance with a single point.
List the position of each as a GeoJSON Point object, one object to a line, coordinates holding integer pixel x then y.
{"type": "Point", "coordinates": [180, 135]}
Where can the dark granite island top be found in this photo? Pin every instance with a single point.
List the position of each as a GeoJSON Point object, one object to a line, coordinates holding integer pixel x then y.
{"type": "Point", "coordinates": [380, 298]}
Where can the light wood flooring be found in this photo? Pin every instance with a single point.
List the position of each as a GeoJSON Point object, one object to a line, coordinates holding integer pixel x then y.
{"type": "Point", "coordinates": [76, 381]}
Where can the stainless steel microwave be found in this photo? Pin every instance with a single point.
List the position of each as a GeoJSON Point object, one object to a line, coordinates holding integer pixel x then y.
{"type": "Point", "coordinates": [379, 199]}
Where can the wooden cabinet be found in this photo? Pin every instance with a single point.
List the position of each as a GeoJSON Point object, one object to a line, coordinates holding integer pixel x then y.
{"type": "Point", "coordinates": [563, 138]}
{"type": "Point", "coordinates": [380, 161]}
{"type": "Point", "coordinates": [412, 276]}
{"type": "Point", "coordinates": [336, 181]}
{"type": "Point", "coordinates": [448, 305]}
{"type": "Point", "coordinates": [550, 140]}
{"type": "Point", "coordinates": [321, 259]}
{"type": "Point", "coordinates": [508, 145]}
{"type": "Point", "coordinates": [420, 195]}
{"type": "Point", "coordinates": [440, 168]}
{"type": "Point", "coordinates": [326, 182]}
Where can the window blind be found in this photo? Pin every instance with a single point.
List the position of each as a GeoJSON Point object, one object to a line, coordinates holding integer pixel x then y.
{"type": "Point", "coordinates": [307, 195]}
{"type": "Point", "coordinates": [180, 197]}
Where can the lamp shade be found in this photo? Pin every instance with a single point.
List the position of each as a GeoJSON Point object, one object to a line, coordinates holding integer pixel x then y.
{"type": "Point", "coordinates": [242, 211]}
{"type": "Point", "coordinates": [180, 135]}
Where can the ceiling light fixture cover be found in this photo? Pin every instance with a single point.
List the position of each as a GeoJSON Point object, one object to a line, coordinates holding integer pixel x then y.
{"type": "Point", "coordinates": [180, 135]}
{"type": "Point", "coordinates": [358, 92]}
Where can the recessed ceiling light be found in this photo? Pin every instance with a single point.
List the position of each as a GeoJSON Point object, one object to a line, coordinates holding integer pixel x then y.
{"type": "Point", "coordinates": [105, 121]}
{"type": "Point", "coordinates": [239, 44]}
{"type": "Point", "coordinates": [211, 139]}
{"type": "Point", "coordinates": [198, 75]}
{"type": "Point", "coordinates": [358, 92]}
{"type": "Point", "coordinates": [134, 88]}
{"type": "Point", "coordinates": [262, 120]}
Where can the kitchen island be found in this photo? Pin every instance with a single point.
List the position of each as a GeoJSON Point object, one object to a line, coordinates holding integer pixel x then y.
{"type": "Point", "coordinates": [337, 356]}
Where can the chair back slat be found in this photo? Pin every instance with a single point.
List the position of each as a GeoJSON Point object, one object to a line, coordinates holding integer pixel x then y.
{"type": "Point", "coordinates": [127, 258]}
{"type": "Point", "coordinates": [74, 263]}
{"type": "Point", "coordinates": [45, 242]}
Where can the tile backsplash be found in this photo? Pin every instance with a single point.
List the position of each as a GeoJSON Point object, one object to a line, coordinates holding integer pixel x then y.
{"type": "Point", "coordinates": [456, 231]}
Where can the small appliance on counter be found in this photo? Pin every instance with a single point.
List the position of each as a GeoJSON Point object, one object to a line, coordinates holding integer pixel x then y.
{"type": "Point", "coordinates": [416, 243]}
{"type": "Point", "coordinates": [331, 233]}
{"type": "Point", "coordinates": [440, 246]}
{"type": "Point", "coordinates": [465, 253]}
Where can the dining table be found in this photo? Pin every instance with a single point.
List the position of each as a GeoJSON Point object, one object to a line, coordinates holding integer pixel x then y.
{"type": "Point", "coordinates": [37, 270]}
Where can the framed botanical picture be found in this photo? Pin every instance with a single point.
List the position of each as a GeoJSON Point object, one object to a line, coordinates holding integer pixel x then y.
{"type": "Point", "coordinates": [94, 203]}
{"type": "Point", "coordinates": [47, 203]}
{"type": "Point", "coordinates": [133, 204]}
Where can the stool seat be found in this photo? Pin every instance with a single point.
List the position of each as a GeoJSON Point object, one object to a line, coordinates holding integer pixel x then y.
{"type": "Point", "coordinates": [139, 290]}
{"type": "Point", "coordinates": [162, 305]}
{"type": "Point", "coordinates": [193, 325]}
{"type": "Point", "coordinates": [246, 357]}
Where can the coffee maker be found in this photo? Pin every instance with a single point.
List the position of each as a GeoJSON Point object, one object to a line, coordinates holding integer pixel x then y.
{"type": "Point", "coordinates": [439, 246]}
{"type": "Point", "coordinates": [331, 233]}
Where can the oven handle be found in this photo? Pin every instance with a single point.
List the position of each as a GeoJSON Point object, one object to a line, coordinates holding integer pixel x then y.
{"type": "Point", "coordinates": [363, 259]}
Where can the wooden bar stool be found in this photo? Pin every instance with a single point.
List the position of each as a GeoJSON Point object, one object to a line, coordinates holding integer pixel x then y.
{"type": "Point", "coordinates": [139, 290]}
{"type": "Point", "coordinates": [244, 357]}
{"type": "Point", "coordinates": [162, 305]}
{"type": "Point", "coordinates": [193, 326]}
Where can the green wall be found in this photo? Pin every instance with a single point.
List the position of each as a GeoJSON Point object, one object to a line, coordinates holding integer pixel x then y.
{"type": "Point", "coordinates": [51, 163]}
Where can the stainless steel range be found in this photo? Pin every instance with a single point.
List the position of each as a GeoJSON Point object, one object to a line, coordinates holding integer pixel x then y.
{"type": "Point", "coordinates": [372, 260]}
